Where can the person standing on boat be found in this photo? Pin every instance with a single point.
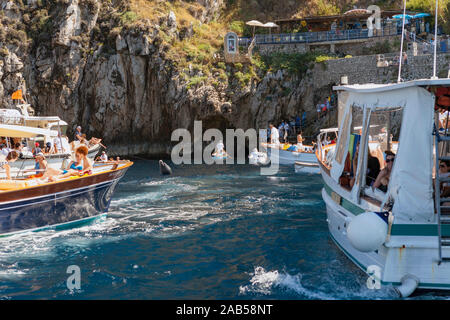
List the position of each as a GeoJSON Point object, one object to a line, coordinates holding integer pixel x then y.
{"type": "Point", "coordinates": [220, 150]}
{"type": "Point", "coordinates": [300, 140]}
{"type": "Point", "coordinates": [274, 135]}
{"type": "Point", "coordinates": [5, 161]}
{"type": "Point", "coordinates": [382, 180]}
{"type": "Point", "coordinates": [280, 130]}
{"type": "Point", "coordinates": [286, 131]}
{"type": "Point", "coordinates": [65, 144]}
{"type": "Point", "coordinates": [36, 149]}
{"type": "Point", "coordinates": [78, 134]}
{"type": "Point", "coordinates": [57, 144]}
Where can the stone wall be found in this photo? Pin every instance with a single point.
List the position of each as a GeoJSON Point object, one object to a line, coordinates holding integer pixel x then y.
{"type": "Point", "coordinates": [363, 69]}
{"type": "Point", "coordinates": [347, 47]}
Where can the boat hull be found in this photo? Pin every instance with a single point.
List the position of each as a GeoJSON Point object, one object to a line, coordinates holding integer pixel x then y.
{"type": "Point", "coordinates": [284, 157]}
{"type": "Point", "coordinates": [306, 167]}
{"type": "Point", "coordinates": [57, 204]}
{"type": "Point", "coordinates": [409, 251]}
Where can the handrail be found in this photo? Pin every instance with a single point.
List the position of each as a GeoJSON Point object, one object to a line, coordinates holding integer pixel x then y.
{"type": "Point", "coordinates": [311, 37]}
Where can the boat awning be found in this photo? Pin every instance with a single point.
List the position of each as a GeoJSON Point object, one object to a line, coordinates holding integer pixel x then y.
{"type": "Point", "coordinates": [410, 184]}
{"type": "Point", "coordinates": [373, 88]}
{"type": "Point", "coordinates": [24, 132]}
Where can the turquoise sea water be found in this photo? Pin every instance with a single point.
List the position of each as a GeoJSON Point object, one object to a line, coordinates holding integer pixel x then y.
{"type": "Point", "coordinates": [206, 232]}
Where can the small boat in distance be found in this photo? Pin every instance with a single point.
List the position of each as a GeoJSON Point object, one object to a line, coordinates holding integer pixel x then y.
{"type": "Point", "coordinates": [325, 142]}
{"type": "Point", "coordinates": [219, 152]}
{"type": "Point", "coordinates": [258, 158]}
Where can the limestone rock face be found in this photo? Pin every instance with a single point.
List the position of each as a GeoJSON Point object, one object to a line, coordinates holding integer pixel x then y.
{"type": "Point", "coordinates": [118, 84]}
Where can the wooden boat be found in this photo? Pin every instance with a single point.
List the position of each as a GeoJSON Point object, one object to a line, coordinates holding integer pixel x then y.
{"type": "Point", "coordinates": [30, 205]}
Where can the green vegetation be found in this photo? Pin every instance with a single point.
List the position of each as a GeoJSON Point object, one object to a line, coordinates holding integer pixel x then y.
{"type": "Point", "coordinates": [128, 17]}
{"type": "Point", "coordinates": [238, 27]}
{"type": "Point", "coordinates": [326, 8]}
{"type": "Point", "coordinates": [194, 81]}
{"type": "Point", "coordinates": [429, 7]}
{"type": "Point", "coordinates": [293, 63]}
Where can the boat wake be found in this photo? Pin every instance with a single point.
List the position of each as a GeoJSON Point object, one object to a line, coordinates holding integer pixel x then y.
{"type": "Point", "coordinates": [267, 282]}
{"type": "Point", "coordinates": [276, 283]}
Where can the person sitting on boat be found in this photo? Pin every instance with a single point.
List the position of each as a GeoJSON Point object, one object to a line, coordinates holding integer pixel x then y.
{"type": "Point", "coordinates": [65, 144]}
{"type": "Point", "coordinates": [94, 141]}
{"type": "Point", "coordinates": [104, 157]}
{"type": "Point", "coordinates": [382, 180]}
{"type": "Point", "coordinates": [219, 150]}
{"type": "Point", "coordinates": [18, 149]}
{"type": "Point", "coordinates": [274, 134]}
{"type": "Point", "coordinates": [40, 165]}
{"type": "Point", "coordinates": [3, 150]}
{"type": "Point", "coordinates": [444, 167]}
{"type": "Point", "coordinates": [79, 167]}
{"type": "Point", "coordinates": [48, 148]}
{"type": "Point", "coordinates": [5, 161]}
{"type": "Point", "coordinates": [373, 169]}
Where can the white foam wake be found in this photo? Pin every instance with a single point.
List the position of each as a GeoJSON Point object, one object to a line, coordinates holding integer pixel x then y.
{"type": "Point", "coordinates": [263, 282]}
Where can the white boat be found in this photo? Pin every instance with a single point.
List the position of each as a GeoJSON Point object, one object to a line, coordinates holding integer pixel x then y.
{"type": "Point", "coordinates": [50, 126]}
{"type": "Point", "coordinates": [278, 153]}
{"type": "Point", "coordinates": [27, 161]}
{"type": "Point", "coordinates": [258, 158]}
{"type": "Point", "coordinates": [400, 237]}
{"type": "Point", "coordinates": [323, 147]}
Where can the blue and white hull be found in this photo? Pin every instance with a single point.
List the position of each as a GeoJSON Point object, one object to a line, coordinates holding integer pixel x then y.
{"type": "Point", "coordinates": [56, 204]}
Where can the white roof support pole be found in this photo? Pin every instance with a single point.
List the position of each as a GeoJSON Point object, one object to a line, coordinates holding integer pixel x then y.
{"type": "Point", "coordinates": [401, 43]}
{"type": "Point", "coordinates": [435, 39]}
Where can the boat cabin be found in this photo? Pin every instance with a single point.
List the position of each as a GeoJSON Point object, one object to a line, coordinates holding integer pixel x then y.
{"type": "Point", "coordinates": [404, 119]}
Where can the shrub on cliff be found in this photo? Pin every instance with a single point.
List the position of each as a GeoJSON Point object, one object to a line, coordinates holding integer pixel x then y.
{"type": "Point", "coordinates": [293, 63]}
{"type": "Point", "coordinates": [238, 27]}
{"type": "Point", "coordinates": [128, 17]}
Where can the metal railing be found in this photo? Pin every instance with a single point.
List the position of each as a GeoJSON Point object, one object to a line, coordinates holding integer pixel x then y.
{"type": "Point", "coordinates": [312, 37]}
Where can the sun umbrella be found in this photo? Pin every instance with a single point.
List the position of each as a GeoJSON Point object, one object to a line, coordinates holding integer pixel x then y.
{"type": "Point", "coordinates": [400, 16]}
{"type": "Point", "coordinates": [254, 23]}
{"type": "Point", "coordinates": [356, 11]}
{"type": "Point", "coordinates": [421, 15]}
{"type": "Point", "coordinates": [270, 25]}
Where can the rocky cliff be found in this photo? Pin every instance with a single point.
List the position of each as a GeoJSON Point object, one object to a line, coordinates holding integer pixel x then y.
{"type": "Point", "coordinates": [82, 61]}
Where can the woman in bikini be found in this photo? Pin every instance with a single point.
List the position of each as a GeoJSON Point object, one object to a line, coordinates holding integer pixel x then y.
{"type": "Point", "coordinates": [79, 167]}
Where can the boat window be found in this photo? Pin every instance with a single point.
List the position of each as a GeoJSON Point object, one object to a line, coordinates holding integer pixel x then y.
{"type": "Point", "coordinates": [383, 135]}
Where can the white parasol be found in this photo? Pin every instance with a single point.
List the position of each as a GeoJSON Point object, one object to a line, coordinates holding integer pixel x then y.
{"type": "Point", "coordinates": [270, 25]}
{"type": "Point", "coordinates": [254, 23]}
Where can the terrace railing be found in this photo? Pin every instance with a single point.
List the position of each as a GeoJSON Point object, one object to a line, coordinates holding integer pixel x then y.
{"type": "Point", "coordinates": [313, 37]}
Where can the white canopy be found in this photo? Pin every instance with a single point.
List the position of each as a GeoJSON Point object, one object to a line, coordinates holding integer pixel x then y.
{"type": "Point", "coordinates": [270, 25]}
{"type": "Point", "coordinates": [410, 183]}
{"type": "Point", "coordinates": [13, 131]}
